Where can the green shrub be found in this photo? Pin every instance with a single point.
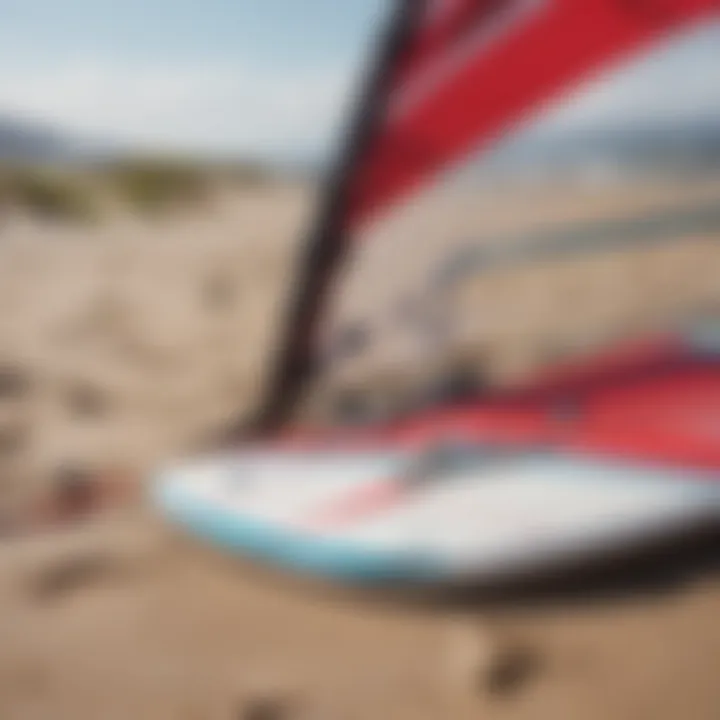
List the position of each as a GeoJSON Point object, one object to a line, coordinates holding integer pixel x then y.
{"type": "Point", "coordinates": [46, 194]}
{"type": "Point", "coordinates": [155, 185]}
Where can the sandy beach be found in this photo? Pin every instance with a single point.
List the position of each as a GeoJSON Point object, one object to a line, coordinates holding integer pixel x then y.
{"type": "Point", "coordinates": [127, 342]}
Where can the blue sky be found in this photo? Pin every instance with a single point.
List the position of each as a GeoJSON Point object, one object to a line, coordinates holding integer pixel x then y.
{"type": "Point", "coordinates": [282, 32]}
{"type": "Point", "coordinates": [264, 77]}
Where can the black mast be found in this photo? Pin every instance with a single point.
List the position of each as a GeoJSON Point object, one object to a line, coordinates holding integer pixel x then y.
{"type": "Point", "coordinates": [330, 237]}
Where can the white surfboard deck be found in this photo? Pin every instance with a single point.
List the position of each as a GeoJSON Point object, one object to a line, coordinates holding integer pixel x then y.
{"type": "Point", "coordinates": [480, 517]}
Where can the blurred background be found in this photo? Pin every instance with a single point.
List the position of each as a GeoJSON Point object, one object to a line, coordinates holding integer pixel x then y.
{"type": "Point", "coordinates": [159, 164]}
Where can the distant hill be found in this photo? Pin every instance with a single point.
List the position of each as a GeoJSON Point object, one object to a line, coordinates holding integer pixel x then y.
{"type": "Point", "coordinates": [23, 141]}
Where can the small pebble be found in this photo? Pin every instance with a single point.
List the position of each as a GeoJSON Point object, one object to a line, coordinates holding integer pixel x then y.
{"type": "Point", "coordinates": [70, 574]}
{"type": "Point", "coordinates": [268, 701]}
{"type": "Point", "coordinates": [481, 664]}
{"type": "Point", "coordinates": [87, 401]}
{"type": "Point", "coordinates": [14, 383]}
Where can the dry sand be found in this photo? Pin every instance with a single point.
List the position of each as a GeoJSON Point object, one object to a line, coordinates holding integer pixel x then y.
{"type": "Point", "coordinates": [121, 345]}
{"type": "Point", "coordinates": [127, 622]}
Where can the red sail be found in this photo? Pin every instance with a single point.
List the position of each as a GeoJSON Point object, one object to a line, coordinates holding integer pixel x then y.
{"type": "Point", "coordinates": [479, 67]}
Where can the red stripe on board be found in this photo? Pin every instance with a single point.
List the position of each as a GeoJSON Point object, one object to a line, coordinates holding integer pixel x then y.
{"type": "Point", "coordinates": [368, 500]}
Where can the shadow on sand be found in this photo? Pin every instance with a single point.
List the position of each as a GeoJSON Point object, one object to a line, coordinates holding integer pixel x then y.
{"type": "Point", "coordinates": [653, 571]}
